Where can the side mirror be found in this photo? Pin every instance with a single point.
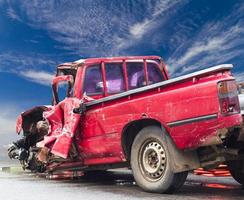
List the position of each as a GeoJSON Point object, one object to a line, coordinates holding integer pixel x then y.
{"type": "Point", "coordinates": [80, 110]}
{"type": "Point", "coordinates": [77, 110]}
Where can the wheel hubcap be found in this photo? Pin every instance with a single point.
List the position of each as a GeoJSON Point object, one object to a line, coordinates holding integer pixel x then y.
{"type": "Point", "coordinates": [153, 160]}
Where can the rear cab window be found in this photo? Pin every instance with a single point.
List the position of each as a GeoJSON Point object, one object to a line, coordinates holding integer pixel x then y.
{"type": "Point", "coordinates": [154, 73]}
{"type": "Point", "coordinates": [136, 75]}
{"type": "Point", "coordinates": [114, 78]}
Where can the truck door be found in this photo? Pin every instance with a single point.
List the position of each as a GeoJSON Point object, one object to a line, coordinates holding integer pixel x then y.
{"type": "Point", "coordinates": [99, 131]}
{"type": "Point", "coordinates": [101, 126]}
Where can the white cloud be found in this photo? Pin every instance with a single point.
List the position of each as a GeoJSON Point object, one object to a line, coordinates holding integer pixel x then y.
{"type": "Point", "coordinates": [216, 43]}
{"type": "Point", "coordinates": [41, 77]}
{"type": "Point", "coordinates": [158, 14]}
{"type": "Point", "coordinates": [10, 61]}
{"type": "Point", "coordinates": [79, 28]}
{"type": "Point", "coordinates": [201, 47]}
{"type": "Point", "coordinates": [12, 14]}
{"type": "Point", "coordinates": [35, 68]}
{"type": "Point", "coordinates": [138, 29]}
{"type": "Point", "coordinates": [90, 28]}
{"type": "Point", "coordinates": [239, 77]}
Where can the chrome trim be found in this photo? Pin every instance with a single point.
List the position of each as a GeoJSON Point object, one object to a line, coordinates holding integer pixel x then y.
{"type": "Point", "coordinates": [192, 120]}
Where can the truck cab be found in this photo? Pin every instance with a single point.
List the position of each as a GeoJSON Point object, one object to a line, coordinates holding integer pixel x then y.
{"type": "Point", "coordinates": [102, 77]}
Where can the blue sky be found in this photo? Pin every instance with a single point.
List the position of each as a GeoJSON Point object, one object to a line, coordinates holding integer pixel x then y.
{"type": "Point", "coordinates": [35, 36]}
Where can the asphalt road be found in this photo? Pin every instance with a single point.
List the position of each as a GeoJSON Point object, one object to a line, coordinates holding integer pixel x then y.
{"type": "Point", "coordinates": [111, 185]}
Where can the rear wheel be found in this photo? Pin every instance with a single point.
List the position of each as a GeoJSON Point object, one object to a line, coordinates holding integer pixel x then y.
{"type": "Point", "coordinates": [150, 162]}
{"type": "Point", "coordinates": [236, 168]}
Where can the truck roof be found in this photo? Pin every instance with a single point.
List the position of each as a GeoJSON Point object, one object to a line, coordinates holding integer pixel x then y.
{"type": "Point", "coordinates": [80, 62]}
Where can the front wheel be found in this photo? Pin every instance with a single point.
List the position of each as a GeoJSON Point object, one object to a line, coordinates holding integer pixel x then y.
{"type": "Point", "coordinates": [150, 162]}
{"type": "Point", "coordinates": [236, 168]}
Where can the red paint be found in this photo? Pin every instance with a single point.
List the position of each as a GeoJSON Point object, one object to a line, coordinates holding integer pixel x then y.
{"type": "Point", "coordinates": [220, 171]}
{"type": "Point", "coordinates": [220, 186]}
{"type": "Point", "coordinates": [98, 133]}
{"type": "Point", "coordinates": [63, 124]}
{"type": "Point", "coordinates": [19, 124]}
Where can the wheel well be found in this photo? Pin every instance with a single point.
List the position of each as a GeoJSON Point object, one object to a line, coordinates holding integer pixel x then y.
{"type": "Point", "coordinates": [131, 130]}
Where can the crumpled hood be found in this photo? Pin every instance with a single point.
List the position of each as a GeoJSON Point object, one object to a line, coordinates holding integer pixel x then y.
{"type": "Point", "coordinates": [63, 124]}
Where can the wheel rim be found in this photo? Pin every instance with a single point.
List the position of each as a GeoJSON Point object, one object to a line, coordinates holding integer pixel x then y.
{"type": "Point", "coordinates": [152, 160]}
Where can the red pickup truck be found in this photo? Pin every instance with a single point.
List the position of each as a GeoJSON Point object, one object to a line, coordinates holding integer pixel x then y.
{"type": "Point", "coordinates": [126, 112]}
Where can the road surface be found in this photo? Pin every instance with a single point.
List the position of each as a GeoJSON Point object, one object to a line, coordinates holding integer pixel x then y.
{"type": "Point", "coordinates": [112, 185]}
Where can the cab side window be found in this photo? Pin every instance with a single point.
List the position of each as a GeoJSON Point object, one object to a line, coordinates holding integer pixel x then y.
{"type": "Point", "coordinates": [114, 77]}
{"type": "Point", "coordinates": [136, 77]}
{"type": "Point", "coordinates": [154, 73]}
{"type": "Point", "coordinates": [93, 84]}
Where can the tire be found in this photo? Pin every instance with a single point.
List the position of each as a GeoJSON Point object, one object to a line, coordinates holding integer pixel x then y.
{"type": "Point", "coordinates": [236, 168]}
{"type": "Point", "coordinates": [150, 162]}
